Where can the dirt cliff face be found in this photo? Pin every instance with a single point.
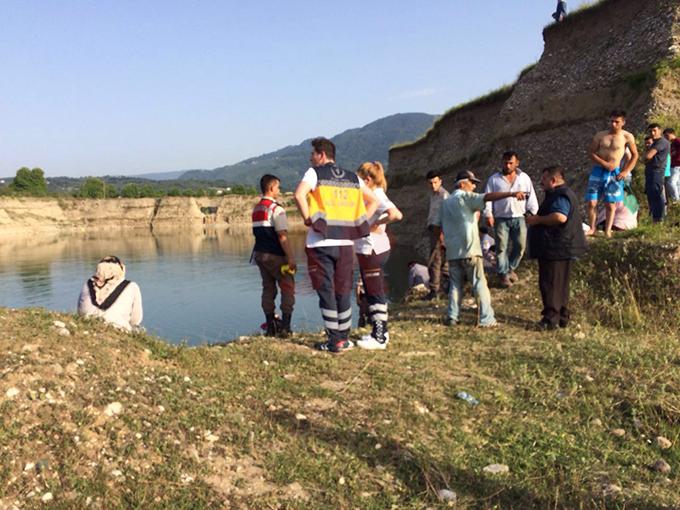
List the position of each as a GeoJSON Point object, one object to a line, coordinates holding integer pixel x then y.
{"type": "Point", "coordinates": [29, 216]}
{"type": "Point", "coordinates": [619, 54]}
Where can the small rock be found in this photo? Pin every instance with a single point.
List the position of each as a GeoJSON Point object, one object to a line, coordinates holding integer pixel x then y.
{"type": "Point", "coordinates": [29, 466]}
{"type": "Point", "coordinates": [341, 480]}
{"type": "Point", "coordinates": [663, 443]}
{"type": "Point", "coordinates": [210, 437]}
{"type": "Point", "coordinates": [187, 379]}
{"type": "Point", "coordinates": [59, 324]}
{"type": "Point", "coordinates": [47, 497]}
{"type": "Point", "coordinates": [580, 335]}
{"type": "Point", "coordinates": [588, 378]}
{"type": "Point", "coordinates": [447, 495]}
{"type": "Point", "coordinates": [113, 409]}
{"type": "Point", "coordinates": [611, 489]}
{"type": "Point", "coordinates": [378, 446]}
{"type": "Point", "coordinates": [161, 409]}
{"type": "Point", "coordinates": [300, 417]}
{"type": "Point", "coordinates": [12, 392]}
{"type": "Point", "coordinates": [496, 469]}
{"type": "Point", "coordinates": [660, 466]}
{"type": "Point", "coordinates": [64, 332]}
{"type": "Point", "coordinates": [421, 408]}
{"type": "Point", "coordinates": [80, 362]}
{"type": "Point", "coordinates": [116, 473]}
{"type": "Point", "coordinates": [617, 432]}
{"type": "Point", "coordinates": [596, 422]}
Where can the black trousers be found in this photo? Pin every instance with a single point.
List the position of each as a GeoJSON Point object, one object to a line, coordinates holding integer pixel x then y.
{"type": "Point", "coordinates": [553, 281]}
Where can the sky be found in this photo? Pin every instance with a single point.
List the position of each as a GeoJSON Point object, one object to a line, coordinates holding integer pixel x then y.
{"type": "Point", "coordinates": [127, 87]}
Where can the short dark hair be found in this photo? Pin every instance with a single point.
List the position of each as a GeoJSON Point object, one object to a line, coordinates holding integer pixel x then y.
{"type": "Point", "coordinates": [554, 171]}
{"type": "Point", "coordinates": [508, 155]}
{"type": "Point", "coordinates": [324, 145]}
{"type": "Point", "coordinates": [669, 131]}
{"type": "Point", "coordinates": [649, 137]}
{"type": "Point", "coordinates": [653, 125]}
{"type": "Point", "coordinates": [266, 181]}
{"type": "Point", "coordinates": [432, 174]}
{"type": "Point", "coordinates": [618, 113]}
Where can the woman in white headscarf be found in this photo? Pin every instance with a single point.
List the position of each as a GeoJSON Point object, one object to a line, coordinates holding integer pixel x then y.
{"type": "Point", "coordinates": [109, 295]}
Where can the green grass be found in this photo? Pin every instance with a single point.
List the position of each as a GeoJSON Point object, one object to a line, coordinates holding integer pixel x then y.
{"type": "Point", "coordinates": [380, 430]}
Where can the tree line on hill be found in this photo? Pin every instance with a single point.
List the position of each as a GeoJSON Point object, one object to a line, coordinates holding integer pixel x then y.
{"type": "Point", "coordinates": [32, 182]}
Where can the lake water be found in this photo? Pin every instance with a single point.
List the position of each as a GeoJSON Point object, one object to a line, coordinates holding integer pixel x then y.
{"type": "Point", "coordinates": [197, 287]}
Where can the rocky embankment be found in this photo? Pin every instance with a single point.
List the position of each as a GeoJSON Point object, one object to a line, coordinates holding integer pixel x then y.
{"type": "Point", "coordinates": [617, 54]}
{"type": "Point", "coordinates": [28, 216]}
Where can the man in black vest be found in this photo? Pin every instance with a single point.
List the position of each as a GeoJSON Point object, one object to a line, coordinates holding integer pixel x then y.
{"type": "Point", "coordinates": [555, 238]}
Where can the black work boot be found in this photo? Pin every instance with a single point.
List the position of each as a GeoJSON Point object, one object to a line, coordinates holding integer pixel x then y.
{"type": "Point", "coordinates": [272, 326]}
{"type": "Point", "coordinates": [284, 326]}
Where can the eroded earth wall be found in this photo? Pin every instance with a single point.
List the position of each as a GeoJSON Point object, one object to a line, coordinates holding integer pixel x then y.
{"type": "Point", "coordinates": [619, 54]}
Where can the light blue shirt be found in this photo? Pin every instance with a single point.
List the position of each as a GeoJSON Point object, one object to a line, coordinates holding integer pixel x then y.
{"type": "Point", "coordinates": [458, 220]}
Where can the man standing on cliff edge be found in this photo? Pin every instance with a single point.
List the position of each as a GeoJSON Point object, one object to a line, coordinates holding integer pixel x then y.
{"type": "Point", "coordinates": [335, 204]}
{"type": "Point", "coordinates": [607, 177]}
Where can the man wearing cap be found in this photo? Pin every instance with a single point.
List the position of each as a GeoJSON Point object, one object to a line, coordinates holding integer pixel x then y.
{"type": "Point", "coordinates": [459, 221]}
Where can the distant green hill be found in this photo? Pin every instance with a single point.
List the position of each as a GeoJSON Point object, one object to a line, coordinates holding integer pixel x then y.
{"type": "Point", "coordinates": [354, 146]}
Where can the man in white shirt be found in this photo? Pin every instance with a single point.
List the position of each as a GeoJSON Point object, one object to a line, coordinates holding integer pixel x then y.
{"type": "Point", "coordinates": [335, 204]}
{"type": "Point", "coordinates": [437, 264]}
{"type": "Point", "coordinates": [507, 216]}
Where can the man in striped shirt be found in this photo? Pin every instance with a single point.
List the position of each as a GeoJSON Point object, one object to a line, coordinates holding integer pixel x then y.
{"type": "Point", "coordinates": [507, 216]}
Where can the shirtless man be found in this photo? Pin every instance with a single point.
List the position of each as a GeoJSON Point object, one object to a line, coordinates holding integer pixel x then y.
{"type": "Point", "coordinates": [606, 178]}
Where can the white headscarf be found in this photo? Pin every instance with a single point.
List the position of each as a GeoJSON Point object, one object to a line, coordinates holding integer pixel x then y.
{"type": "Point", "coordinates": [110, 272]}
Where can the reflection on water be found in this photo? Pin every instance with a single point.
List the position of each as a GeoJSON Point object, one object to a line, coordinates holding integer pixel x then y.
{"type": "Point", "coordinates": [197, 287]}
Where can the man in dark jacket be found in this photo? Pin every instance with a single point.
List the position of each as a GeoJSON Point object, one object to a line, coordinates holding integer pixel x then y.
{"type": "Point", "coordinates": [556, 238]}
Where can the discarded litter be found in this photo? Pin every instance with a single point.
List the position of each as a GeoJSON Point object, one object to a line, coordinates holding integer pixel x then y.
{"type": "Point", "coordinates": [463, 395]}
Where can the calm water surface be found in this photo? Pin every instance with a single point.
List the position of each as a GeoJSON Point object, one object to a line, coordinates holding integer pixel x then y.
{"type": "Point", "coordinates": [197, 287]}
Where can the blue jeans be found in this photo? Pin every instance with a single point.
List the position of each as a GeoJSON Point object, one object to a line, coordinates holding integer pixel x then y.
{"type": "Point", "coordinates": [471, 269]}
{"type": "Point", "coordinates": [657, 206]}
{"type": "Point", "coordinates": [513, 230]}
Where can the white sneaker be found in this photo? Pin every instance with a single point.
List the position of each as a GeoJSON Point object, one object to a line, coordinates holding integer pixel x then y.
{"type": "Point", "coordinates": [371, 344]}
{"type": "Point", "coordinates": [368, 337]}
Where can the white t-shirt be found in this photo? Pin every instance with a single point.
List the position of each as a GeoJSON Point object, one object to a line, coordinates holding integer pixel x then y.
{"type": "Point", "coordinates": [315, 239]}
{"type": "Point", "coordinates": [377, 241]}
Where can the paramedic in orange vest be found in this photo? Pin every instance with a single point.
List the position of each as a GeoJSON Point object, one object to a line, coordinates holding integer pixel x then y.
{"type": "Point", "coordinates": [274, 257]}
{"type": "Point", "coordinates": [335, 204]}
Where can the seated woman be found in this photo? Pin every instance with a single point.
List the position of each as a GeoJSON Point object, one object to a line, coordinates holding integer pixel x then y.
{"type": "Point", "coordinates": [109, 295]}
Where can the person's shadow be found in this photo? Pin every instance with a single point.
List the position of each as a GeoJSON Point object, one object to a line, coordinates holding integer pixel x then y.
{"type": "Point", "coordinates": [416, 470]}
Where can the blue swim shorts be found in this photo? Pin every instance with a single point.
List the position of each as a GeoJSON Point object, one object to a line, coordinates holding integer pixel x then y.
{"type": "Point", "coordinates": [602, 183]}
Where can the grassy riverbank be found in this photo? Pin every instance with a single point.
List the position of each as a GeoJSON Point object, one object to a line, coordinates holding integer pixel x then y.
{"type": "Point", "coordinates": [111, 420]}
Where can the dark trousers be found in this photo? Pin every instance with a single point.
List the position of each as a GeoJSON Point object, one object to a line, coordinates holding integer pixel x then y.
{"type": "Point", "coordinates": [655, 199]}
{"type": "Point", "coordinates": [437, 265]}
{"type": "Point", "coordinates": [553, 281]}
{"type": "Point", "coordinates": [330, 269]}
{"type": "Point", "coordinates": [373, 277]}
{"type": "Point", "coordinates": [270, 270]}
